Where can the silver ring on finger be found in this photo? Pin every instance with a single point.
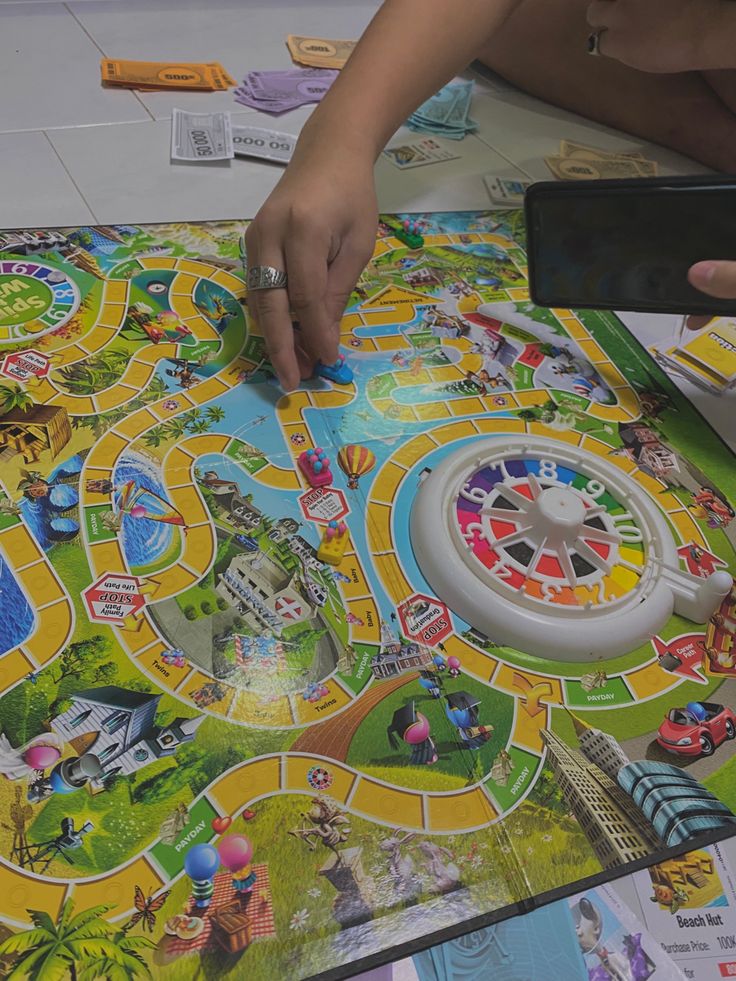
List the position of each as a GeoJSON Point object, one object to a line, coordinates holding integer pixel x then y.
{"type": "Point", "coordinates": [266, 278]}
{"type": "Point", "coordinates": [594, 42]}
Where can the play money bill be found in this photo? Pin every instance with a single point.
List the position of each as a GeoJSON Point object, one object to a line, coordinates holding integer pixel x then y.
{"type": "Point", "coordinates": [201, 136]}
{"type": "Point", "coordinates": [319, 52]}
{"type": "Point", "coordinates": [568, 148]}
{"type": "Point", "coordinates": [267, 144]}
{"type": "Point", "coordinates": [162, 74]}
{"type": "Point", "coordinates": [303, 84]}
{"type": "Point", "coordinates": [578, 169]}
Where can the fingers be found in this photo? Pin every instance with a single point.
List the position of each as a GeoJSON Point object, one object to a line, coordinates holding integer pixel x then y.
{"type": "Point", "coordinates": [270, 308]}
{"type": "Point", "coordinates": [697, 323]}
{"type": "Point", "coordinates": [343, 274]}
{"type": "Point", "coordinates": [306, 260]}
{"type": "Point", "coordinates": [716, 278]}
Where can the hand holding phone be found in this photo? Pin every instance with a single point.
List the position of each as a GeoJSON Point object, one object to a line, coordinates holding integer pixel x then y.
{"type": "Point", "coordinates": [630, 245]}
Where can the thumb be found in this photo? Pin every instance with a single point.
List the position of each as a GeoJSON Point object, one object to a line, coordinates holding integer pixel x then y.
{"type": "Point", "coordinates": [716, 278]}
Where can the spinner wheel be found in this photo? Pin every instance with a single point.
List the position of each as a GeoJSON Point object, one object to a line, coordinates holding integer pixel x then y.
{"type": "Point", "coordinates": [552, 550]}
{"type": "Point", "coordinates": [34, 298]}
{"type": "Point", "coordinates": [319, 778]}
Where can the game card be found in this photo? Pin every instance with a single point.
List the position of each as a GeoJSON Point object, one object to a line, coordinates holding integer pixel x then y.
{"type": "Point", "coordinates": [706, 357]}
{"type": "Point", "coordinates": [506, 193]}
{"type": "Point", "coordinates": [419, 153]}
{"type": "Point", "coordinates": [689, 903]}
{"type": "Point", "coordinates": [613, 943]}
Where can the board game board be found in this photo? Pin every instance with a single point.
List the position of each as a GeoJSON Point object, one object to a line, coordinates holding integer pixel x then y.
{"type": "Point", "coordinates": [215, 745]}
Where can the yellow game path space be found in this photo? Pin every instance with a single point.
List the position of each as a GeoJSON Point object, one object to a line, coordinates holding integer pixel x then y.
{"type": "Point", "coordinates": [467, 809]}
{"type": "Point", "coordinates": [398, 314]}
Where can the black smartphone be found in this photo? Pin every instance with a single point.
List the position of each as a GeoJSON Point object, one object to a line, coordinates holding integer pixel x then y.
{"type": "Point", "coordinates": [628, 244]}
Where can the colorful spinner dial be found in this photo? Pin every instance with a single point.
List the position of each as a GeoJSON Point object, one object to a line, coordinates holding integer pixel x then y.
{"type": "Point", "coordinates": [34, 298]}
{"type": "Point", "coordinates": [553, 550]}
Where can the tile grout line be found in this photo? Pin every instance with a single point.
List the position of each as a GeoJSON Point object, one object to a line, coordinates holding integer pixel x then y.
{"type": "Point", "coordinates": [104, 55]}
{"type": "Point", "coordinates": [503, 156]}
{"type": "Point", "coordinates": [69, 175]}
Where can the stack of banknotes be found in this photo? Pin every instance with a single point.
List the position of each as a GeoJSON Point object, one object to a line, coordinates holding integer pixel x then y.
{"type": "Point", "coordinates": [446, 113]}
{"type": "Point", "coordinates": [151, 75]}
{"type": "Point", "coordinates": [207, 137]}
{"type": "Point", "coordinates": [279, 91]}
{"type": "Point", "coordinates": [576, 162]}
{"type": "Point", "coordinates": [318, 52]}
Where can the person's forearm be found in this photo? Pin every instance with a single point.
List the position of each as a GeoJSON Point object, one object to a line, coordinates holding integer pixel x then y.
{"type": "Point", "coordinates": [719, 44]}
{"type": "Point", "coordinates": [408, 52]}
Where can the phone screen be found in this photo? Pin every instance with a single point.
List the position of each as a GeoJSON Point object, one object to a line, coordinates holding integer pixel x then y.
{"type": "Point", "coordinates": [628, 248]}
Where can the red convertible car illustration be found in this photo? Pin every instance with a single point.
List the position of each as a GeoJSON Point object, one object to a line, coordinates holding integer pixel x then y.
{"type": "Point", "coordinates": [698, 729]}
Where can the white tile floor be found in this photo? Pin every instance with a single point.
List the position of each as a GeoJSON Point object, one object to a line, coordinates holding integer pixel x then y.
{"type": "Point", "coordinates": [72, 152]}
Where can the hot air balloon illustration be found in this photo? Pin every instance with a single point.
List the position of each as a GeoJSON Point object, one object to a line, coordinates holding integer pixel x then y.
{"type": "Point", "coordinates": [355, 461]}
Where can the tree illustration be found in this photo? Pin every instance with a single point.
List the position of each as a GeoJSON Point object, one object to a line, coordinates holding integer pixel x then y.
{"type": "Point", "coordinates": [528, 415]}
{"type": "Point", "coordinates": [155, 436]}
{"type": "Point", "coordinates": [128, 962]}
{"type": "Point", "coordinates": [175, 428]}
{"type": "Point", "coordinates": [50, 950]}
{"type": "Point", "coordinates": [13, 397]}
{"type": "Point", "coordinates": [214, 413]}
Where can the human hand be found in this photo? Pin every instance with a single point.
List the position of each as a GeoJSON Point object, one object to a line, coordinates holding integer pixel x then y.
{"type": "Point", "coordinates": [319, 226]}
{"type": "Point", "coordinates": [716, 278]}
{"type": "Point", "coordinates": [663, 36]}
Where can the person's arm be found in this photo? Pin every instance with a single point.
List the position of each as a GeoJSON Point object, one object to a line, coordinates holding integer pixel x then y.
{"type": "Point", "coordinates": [408, 52]}
{"type": "Point", "coordinates": [667, 35]}
{"type": "Point", "coordinates": [319, 223]}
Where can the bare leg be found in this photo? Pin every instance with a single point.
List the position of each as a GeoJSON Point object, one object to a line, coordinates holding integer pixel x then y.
{"type": "Point", "coordinates": [541, 48]}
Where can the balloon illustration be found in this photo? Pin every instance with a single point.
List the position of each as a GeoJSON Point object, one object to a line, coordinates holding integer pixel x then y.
{"type": "Point", "coordinates": [355, 461]}
{"type": "Point", "coordinates": [236, 853]}
{"type": "Point", "coordinates": [40, 756]}
{"type": "Point", "coordinates": [200, 864]}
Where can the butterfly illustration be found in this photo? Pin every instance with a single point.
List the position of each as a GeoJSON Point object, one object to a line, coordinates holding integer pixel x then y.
{"type": "Point", "coordinates": [146, 909]}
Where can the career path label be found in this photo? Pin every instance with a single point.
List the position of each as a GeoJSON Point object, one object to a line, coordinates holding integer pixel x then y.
{"type": "Point", "coordinates": [24, 365]}
{"type": "Point", "coordinates": [113, 598]}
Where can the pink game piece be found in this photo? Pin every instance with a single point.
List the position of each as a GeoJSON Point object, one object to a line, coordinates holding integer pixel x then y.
{"type": "Point", "coordinates": [315, 466]}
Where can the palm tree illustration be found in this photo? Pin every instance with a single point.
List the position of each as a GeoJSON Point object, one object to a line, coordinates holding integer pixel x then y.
{"type": "Point", "coordinates": [126, 965]}
{"type": "Point", "coordinates": [175, 428]}
{"type": "Point", "coordinates": [72, 946]}
{"type": "Point", "coordinates": [13, 397]}
{"type": "Point", "coordinates": [214, 413]}
{"type": "Point", "coordinates": [155, 436]}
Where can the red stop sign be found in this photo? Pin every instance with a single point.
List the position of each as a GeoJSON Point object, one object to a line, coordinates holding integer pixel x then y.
{"type": "Point", "coordinates": [324, 504]}
{"type": "Point", "coordinates": [424, 619]}
{"type": "Point", "coordinates": [23, 365]}
{"type": "Point", "coordinates": [113, 598]}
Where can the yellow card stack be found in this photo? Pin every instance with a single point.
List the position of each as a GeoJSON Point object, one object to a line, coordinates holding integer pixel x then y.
{"type": "Point", "coordinates": [706, 357]}
{"type": "Point", "coordinates": [151, 75]}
